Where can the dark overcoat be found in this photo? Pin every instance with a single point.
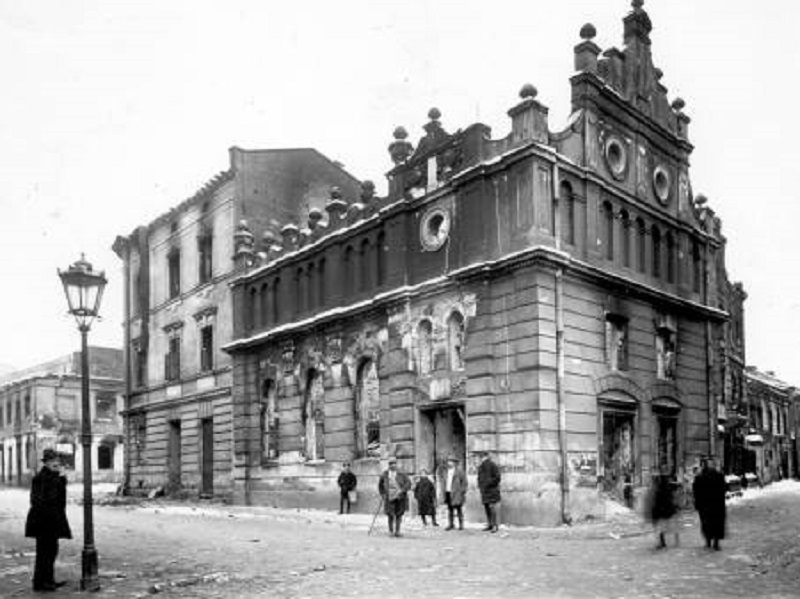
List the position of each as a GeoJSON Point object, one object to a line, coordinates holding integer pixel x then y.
{"type": "Point", "coordinates": [489, 481]}
{"type": "Point", "coordinates": [347, 482]}
{"type": "Point", "coordinates": [404, 484]}
{"type": "Point", "coordinates": [662, 500]}
{"type": "Point", "coordinates": [709, 499]}
{"type": "Point", "coordinates": [47, 516]}
{"type": "Point", "coordinates": [425, 494]}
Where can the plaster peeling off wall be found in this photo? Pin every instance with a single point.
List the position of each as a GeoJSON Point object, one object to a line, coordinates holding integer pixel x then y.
{"type": "Point", "coordinates": [415, 338]}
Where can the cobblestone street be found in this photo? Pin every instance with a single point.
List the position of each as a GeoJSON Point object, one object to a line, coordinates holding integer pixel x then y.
{"type": "Point", "coordinates": [193, 550]}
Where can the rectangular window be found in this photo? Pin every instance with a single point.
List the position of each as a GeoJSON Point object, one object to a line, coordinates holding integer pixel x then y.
{"type": "Point", "coordinates": [667, 444]}
{"type": "Point", "coordinates": [174, 262]}
{"type": "Point", "coordinates": [105, 457]}
{"type": "Point", "coordinates": [139, 355]}
{"type": "Point", "coordinates": [2, 415]}
{"type": "Point", "coordinates": [105, 406]}
{"type": "Point", "coordinates": [207, 348]}
{"type": "Point", "coordinates": [140, 437]}
{"type": "Point", "coordinates": [665, 354]}
{"type": "Point", "coordinates": [135, 292]}
{"type": "Point", "coordinates": [205, 246]}
{"type": "Point", "coordinates": [172, 359]}
{"type": "Point", "coordinates": [28, 405]}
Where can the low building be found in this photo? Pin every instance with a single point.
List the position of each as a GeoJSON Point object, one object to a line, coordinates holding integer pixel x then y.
{"type": "Point", "coordinates": [550, 296]}
{"type": "Point", "coordinates": [769, 439]}
{"type": "Point", "coordinates": [40, 408]}
{"type": "Point", "coordinates": [178, 313]}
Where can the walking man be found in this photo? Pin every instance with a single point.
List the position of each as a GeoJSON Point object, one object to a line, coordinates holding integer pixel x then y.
{"type": "Point", "coordinates": [347, 483]}
{"type": "Point", "coordinates": [455, 490]}
{"type": "Point", "coordinates": [47, 520]}
{"type": "Point", "coordinates": [489, 485]}
{"type": "Point", "coordinates": [393, 488]}
{"type": "Point", "coordinates": [709, 499]}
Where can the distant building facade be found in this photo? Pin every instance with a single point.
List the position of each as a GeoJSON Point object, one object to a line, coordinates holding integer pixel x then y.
{"type": "Point", "coordinates": [40, 408]}
{"type": "Point", "coordinates": [770, 434]}
{"type": "Point", "coordinates": [178, 314]}
{"type": "Point", "coordinates": [550, 296]}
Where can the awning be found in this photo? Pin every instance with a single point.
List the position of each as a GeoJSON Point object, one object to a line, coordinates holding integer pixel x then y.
{"type": "Point", "coordinates": [755, 439]}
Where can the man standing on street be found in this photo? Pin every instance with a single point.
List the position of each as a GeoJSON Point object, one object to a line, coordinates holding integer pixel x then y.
{"type": "Point", "coordinates": [489, 485]}
{"type": "Point", "coordinates": [347, 483]}
{"type": "Point", "coordinates": [709, 499]}
{"type": "Point", "coordinates": [455, 490]}
{"type": "Point", "coordinates": [393, 487]}
{"type": "Point", "coordinates": [47, 520]}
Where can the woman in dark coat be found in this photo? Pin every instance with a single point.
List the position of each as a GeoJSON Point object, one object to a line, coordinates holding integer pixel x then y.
{"type": "Point", "coordinates": [425, 494]}
{"type": "Point", "coordinates": [489, 485]}
{"type": "Point", "coordinates": [47, 520]}
{"type": "Point", "coordinates": [709, 499]}
{"type": "Point", "coordinates": [663, 509]}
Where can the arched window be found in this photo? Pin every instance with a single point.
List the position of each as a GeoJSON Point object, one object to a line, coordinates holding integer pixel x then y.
{"type": "Point", "coordinates": [625, 238]}
{"type": "Point", "coordinates": [425, 347]}
{"type": "Point", "coordinates": [264, 315]}
{"type": "Point", "coordinates": [670, 241]}
{"type": "Point", "coordinates": [349, 270]}
{"type": "Point", "coordinates": [607, 231]}
{"type": "Point", "coordinates": [455, 340]}
{"type": "Point", "coordinates": [276, 300]}
{"type": "Point", "coordinates": [368, 410]}
{"type": "Point", "coordinates": [380, 250]}
{"type": "Point", "coordinates": [314, 416]}
{"type": "Point", "coordinates": [568, 214]}
{"type": "Point", "coordinates": [252, 309]}
{"type": "Point", "coordinates": [321, 283]}
{"type": "Point", "coordinates": [641, 249]}
{"type": "Point", "coordinates": [697, 268]}
{"type": "Point", "coordinates": [364, 257]}
{"type": "Point", "coordinates": [311, 287]}
{"type": "Point", "coordinates": [299, 292]}
{"type": "Point", "coordinates": [655, 234]}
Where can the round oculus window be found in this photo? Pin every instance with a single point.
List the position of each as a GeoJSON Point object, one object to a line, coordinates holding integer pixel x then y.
{"type": "Point", "coordinates": [616, 156]}
{"type": "Point", "coordinates": [661, 184]}
{"type": "Point", "coordinates": [434, 229]}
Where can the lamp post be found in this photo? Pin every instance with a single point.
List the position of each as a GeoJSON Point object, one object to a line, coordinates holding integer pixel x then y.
{"type": "Point", "coordinates": [84, 290]}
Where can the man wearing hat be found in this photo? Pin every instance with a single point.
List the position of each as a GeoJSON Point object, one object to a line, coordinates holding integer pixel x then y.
{"type": "Point", "coordinates": [454, 482]}
{"type": "Point", "coordinates": [489, 485]}
{"type": "Point", "coordinates": [393, 487]}
{"type": "Point", "coordinates": [47, 519]}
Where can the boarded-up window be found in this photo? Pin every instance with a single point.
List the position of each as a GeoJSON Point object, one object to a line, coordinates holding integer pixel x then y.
{"type": "Point", "coordinates": [455, 340]}
{"type": "Point", "coordinates": [106, 404]}
{"type": "Point", "coordinates": [314, 417]}
{"type": "Point", "coordinates": [425, 347]}
{"type": "Point", "coordinates": [368, 411]}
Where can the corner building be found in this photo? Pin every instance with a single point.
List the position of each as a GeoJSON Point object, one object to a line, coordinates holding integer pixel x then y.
{"type": "Point", "coordinates": [178, 314]}
{"type": "Point", "coordinates": [549, 296]}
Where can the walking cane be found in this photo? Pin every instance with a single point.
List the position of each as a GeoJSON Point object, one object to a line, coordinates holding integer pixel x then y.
{"type": "Point", "coordinates": [375, 517]}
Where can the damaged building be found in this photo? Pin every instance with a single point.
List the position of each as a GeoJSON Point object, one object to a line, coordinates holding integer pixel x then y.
{"type": "Point", "coordinates": [550, 296]}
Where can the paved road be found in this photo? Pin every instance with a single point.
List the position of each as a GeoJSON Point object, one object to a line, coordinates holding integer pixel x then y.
{"type": "Point", "coordinates": [191, 550]}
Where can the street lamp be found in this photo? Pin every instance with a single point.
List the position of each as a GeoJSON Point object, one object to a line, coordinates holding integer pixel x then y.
{"type": "Point", "coordinates": [84, 290]}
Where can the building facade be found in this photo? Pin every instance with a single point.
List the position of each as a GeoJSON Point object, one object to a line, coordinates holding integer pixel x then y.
{"type": "Point", "coordinates": [178, 314]}
{"type": "Point", "coordinates": [550, 296]}
{"type": "Point", "coordinates": [40, 408]}
{"type": "Point", "coordinates": [769, 440]}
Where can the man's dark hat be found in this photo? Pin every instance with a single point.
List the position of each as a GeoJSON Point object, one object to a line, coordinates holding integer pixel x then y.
{"type": "Point", "coordinates": [49, 454]}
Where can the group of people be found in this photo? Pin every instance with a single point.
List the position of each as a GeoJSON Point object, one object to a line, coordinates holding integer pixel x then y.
{"type": "Point", "coordinates": [394, 487]}
{"type": "Point", "coordinates": [708, 490]}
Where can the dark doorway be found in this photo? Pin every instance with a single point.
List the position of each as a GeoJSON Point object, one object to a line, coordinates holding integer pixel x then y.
{"type": "Point", "coordinates": [174, 455]}
{"type": "Point", "coordinates": [617, 454]}
{"type": "Point", "coordinates": [207, 451]}
{"type": "Point", "coordinates": [442, 434]}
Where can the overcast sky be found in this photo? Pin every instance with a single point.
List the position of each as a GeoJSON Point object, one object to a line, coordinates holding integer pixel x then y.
{"type": "Point", "coordinates": [112, 112]}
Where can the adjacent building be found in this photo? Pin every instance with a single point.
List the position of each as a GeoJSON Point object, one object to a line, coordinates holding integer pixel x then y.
{"type": "Point", "coordinates": [552, 296]}
{"type": "Point", "coordinates": [40, 408]}
{"type": "Point", "coordinates": [178, 313]}
{"type": "Point", "coordinates": [770, 438]}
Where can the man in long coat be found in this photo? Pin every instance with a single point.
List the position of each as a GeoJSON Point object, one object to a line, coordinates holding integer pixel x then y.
{"type": "Point", "coordinates": [47, 519]}
{"type": "Point", "coordinates": [709, 499]}
{"type": "Point", "coordinates": [454, 488]}
{"type": "Point", "coordinates": [425, 494]}
{"type": "Point", "coordinates": [489, 485]}
{"type": "Point", "coordinates": [393, 487]}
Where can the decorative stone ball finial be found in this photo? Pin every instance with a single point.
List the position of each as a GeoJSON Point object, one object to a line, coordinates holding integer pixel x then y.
{"type": "Point", "coordinates": [588, 31]}
{"type": "Point", "coordinates": [434, 114]}
{"type": "Point", "coordinates": [678, 104]}
{"type": "Point", "coordinates": [637, 4]}
{"type": "Point", "coordinates": [528, 91]}
{"type": "Point", "coordinates": [367, 191]}
{"type": "Point", "coordinates": [700, 200]}
{"type": "Point", "coordinates": [336, 193]}
{"type": "Point", "coordinates": [400, 149]}
{"type": "Point", "coordinates": [658, 73]}
{"type": "Point", "coordinates": [400, 133]}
